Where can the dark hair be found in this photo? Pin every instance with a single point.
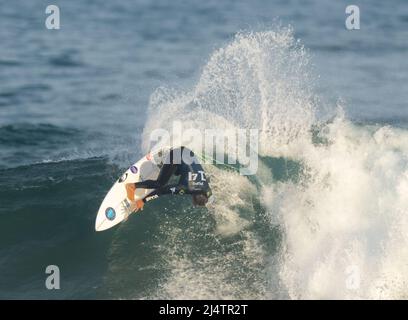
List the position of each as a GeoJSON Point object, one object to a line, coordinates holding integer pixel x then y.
{"type": "Point", "coordinates": [200, 199]}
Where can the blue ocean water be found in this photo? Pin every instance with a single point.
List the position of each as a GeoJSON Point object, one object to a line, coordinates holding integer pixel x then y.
{"type": "Point", "coordinates": [75, 101]}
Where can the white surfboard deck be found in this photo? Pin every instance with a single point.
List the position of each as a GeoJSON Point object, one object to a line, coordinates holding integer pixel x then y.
{"type": "Point", "coordinates": [114, 208]}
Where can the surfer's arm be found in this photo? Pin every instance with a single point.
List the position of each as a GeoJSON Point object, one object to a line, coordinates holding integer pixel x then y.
{"type": "Point", "coordinates": [169, 189]}
{"type": "Point", "coordinates": [148, 184]}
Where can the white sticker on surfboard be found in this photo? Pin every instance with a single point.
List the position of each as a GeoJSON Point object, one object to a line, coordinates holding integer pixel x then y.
{"type": "Point", "coordinates": [115, 207]}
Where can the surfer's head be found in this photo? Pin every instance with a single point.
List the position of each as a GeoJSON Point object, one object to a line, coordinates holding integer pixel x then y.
{"type": "Point", "coordinates": [200, 199]}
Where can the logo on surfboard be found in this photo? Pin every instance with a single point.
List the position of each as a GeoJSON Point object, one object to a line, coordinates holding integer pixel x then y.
{"type": "Point", "coordinates": [123, 178]}
{"type": "Point", "coordinates": [134, 169]}
{"type": "Point", "coordinates": [110, 213]}
{"type": "Point", "coordinates": [152, 197]}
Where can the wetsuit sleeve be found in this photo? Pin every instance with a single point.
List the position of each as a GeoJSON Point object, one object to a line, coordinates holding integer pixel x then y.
{"type": "Point", "coordinates": [169, 189]}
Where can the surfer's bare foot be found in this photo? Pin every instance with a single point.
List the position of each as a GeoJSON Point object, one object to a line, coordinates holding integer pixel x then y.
{"type": "Point", "coordinates": [130, 191]}
{"type": "Point", "coordinates": [133, 206]}
{"type": "Point", "coordinates": [139, 204]}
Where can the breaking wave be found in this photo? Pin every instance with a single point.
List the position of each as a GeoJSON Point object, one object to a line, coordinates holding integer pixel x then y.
{"type": "Point", "coordinates": [326, 214]}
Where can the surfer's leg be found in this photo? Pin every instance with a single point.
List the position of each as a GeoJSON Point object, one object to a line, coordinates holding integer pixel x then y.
{"type": "Point", "coordinates": [169, 167]}
{"type": "Point", "coordinates": [164, 176]}
{"type": "Point", "coordinates": [165, 173]}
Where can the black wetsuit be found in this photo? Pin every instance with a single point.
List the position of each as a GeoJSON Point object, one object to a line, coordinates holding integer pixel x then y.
{"type": "Point", "coordinates": [192, 176]}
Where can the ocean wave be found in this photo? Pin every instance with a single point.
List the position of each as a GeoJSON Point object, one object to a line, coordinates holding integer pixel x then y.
{"type": "Point", "coordinates": [334, 190]}
{"type": "Point", "coordinates": [328, 203]}
{"type": "Point", "coordinates": [24, 134]}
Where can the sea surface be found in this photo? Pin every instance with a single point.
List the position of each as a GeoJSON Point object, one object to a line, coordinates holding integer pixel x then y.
{"type": "Point", "coordinates": [326, 215]}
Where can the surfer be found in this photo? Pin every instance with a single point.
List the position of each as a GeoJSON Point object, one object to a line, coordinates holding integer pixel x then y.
{"type": "Point", "coordinates": [181, 162]}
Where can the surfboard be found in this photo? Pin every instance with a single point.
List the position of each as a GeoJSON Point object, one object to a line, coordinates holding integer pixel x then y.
{"type": "Point", "coordinates": [115, 207]}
